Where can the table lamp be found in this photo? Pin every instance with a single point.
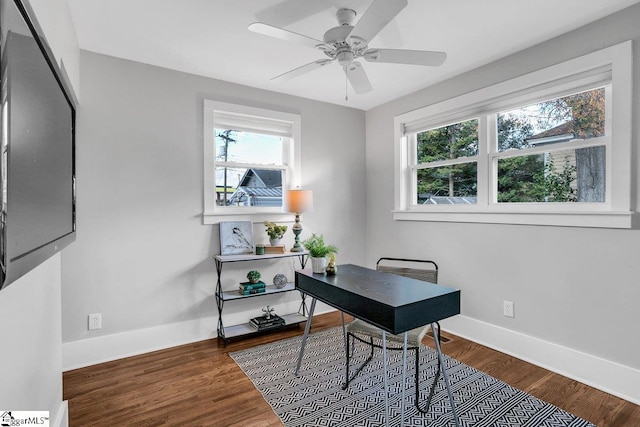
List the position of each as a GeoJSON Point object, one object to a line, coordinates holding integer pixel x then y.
{"type": "Point", "coordinates": [298, 201]}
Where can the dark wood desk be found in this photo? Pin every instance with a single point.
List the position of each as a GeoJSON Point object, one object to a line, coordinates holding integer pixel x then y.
{"type": "Point", "coordinates": [395, 304]}
{"type": "Point", "coordinates": [391, 302]}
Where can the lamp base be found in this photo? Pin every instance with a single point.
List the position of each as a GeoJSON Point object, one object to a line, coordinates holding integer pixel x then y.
{"type": "Point", "coordinates": [297, 229]}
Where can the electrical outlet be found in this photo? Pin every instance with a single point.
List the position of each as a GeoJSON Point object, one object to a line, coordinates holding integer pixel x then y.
{"type": "Point", "coordinates": [507, 307]}
{"type": "Point", "coordinates": [95, 321]}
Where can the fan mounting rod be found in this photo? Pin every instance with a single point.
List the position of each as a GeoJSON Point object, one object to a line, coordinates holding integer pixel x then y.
{"type": "Point", "coordinates": [337, 36]}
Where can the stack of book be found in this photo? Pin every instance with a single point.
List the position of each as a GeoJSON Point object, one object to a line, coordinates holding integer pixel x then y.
{"type": "Point", "coordinates": [248, 288]}
{"type": "Point", "coordinates": [279, 249]}
{"type": "Point", "coordinates": [263, 322]}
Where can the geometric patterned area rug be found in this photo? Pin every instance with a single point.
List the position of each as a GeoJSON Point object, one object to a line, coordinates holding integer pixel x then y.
{"type": "Point", "coordinates": [315, 397]}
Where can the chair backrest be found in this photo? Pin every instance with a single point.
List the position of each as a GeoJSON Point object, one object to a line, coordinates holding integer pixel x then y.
{"type": "Point", "coordinates": [409, 268]}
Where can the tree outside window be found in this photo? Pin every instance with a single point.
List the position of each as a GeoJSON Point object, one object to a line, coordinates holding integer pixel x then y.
{"type": "Point", "coordinates": [562, 174]}
{"type": "Point", "coordinates": [448, 179]}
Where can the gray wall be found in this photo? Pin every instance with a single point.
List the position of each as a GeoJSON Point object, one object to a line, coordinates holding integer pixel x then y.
{"type": "Point", "coordinates": [142, 256]}
{"type": "Point", "coordinates": [31, 367]}
{"type": "Point", "coordinates": [577, 287]}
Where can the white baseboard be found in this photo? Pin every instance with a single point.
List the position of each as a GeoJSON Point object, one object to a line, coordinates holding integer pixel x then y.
{"type": "Point", "coordinates": [62, 417]}
{"type": "Point", "coordinates": [614, 378]}
{"type": "Point", "coordinates": [611, 377]}
{"type": "Point", "coordinates": [91, 351]}
{"type": "Point", "coordinates": [105, 348]}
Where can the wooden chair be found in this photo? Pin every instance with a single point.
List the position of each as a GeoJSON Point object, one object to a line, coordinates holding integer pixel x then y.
{"type": "Point", "coordinates": [359, 330]}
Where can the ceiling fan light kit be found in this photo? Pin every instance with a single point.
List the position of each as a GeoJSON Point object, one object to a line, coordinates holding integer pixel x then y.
{"type": "Point", "coordinates": [346, 43]}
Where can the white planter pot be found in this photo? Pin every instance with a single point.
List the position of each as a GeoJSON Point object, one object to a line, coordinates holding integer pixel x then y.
{"type": "Point", "coordinates": [275, 242]}
{"type": "Point", "coordinates": [318, 265]}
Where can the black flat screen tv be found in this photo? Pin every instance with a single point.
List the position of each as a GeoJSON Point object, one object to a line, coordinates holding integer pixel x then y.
{"type": "Point", "coordinates": [38, 146]}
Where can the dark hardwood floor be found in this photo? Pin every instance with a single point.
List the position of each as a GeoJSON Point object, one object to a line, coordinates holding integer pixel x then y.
{"type": "Point", "coordinates": [200, 385]}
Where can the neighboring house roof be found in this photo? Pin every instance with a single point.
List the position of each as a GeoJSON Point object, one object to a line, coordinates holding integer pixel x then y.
{"type": "Point", "coordinates": [260, 187]}
{"type": "Point", "coordinates": [268, 178]}
{"type": "Point", "coordinates": [261, 191]}
{"type": "Point", "coordinates": [560, 133]}
{"type": "Point", "coordinates": [257, 196]}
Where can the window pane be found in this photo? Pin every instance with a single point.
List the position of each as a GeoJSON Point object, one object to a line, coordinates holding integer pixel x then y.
{"type": "Point", "coordinates": [248, 187]}
{"type": "Point", "coordinates": [579, 116]}
{"type": "Point", "coordinates": [448, 142]}
{"type": "Point", "coordinates": [456, 184]}
{"type": "Point", "coordinates": [560, 176]}
{"type": "Point", "coordinates": [247, 147]}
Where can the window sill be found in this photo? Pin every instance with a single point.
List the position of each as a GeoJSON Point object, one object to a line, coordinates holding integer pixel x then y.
{"type": "Point", "coordinates": [562, 219]}
{"type": "Point", "coordinates": [255, 217]}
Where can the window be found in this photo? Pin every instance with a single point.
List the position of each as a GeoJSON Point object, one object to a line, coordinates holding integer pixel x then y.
{"type": "Point", "coordinates": [553, 151]}
{"type": "Point", "coordinates": [447, 164]}
{"type": "Point", "coordinates": [250, 156]}
{"type": "Point", "coordinates": [543, 148]}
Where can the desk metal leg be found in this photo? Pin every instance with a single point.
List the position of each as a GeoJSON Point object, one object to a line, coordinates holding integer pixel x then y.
{"type": "Point", "coordinates": [346, 348]}
{"type": "Point", "coordinates": [386, 380]}
{"type": "Point", "coordinates": [404, 377]}
{"type": "Point", "coordinates": [446, 377]}
{"type": "Point", "coordinates": [306, 335]}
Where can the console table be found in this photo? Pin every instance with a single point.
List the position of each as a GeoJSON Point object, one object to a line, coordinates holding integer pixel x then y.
{"type": "Point", "coordinates": [394, 303]}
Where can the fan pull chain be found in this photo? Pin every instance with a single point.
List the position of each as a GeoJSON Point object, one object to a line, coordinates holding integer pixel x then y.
{"type": "Point", "coordinates": [346, 87]}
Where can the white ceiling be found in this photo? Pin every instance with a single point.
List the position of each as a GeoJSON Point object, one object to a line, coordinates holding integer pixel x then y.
{"type": "Point", "coordinates": [210, 38]}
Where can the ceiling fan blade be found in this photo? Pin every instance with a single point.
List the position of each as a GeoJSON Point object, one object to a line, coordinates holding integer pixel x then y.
{"type": "Point", "coordinates": [279, 33]}
{"type": "Point", "coordinates": [379, 14]}
{"type": "Point", "coordinates": [404, 56]}
{"type": "Point", "coordinates": [287, 12]}
{"type": "Point", "coordinates": [358, 78]}
{"type": "Point", "coordinates": [301, 70]}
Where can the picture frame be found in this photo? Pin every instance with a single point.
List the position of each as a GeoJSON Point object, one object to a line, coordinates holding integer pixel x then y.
{"type": "Point", "coordinates": [236, 237]}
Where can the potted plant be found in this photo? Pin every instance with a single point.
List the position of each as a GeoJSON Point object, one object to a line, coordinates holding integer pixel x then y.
{"type": "Point", "coordinates": [318, 251]}
{"type": "Point", "coordinates": [275, 232]}
{"type": "Point", "coordinates": [254, 276]}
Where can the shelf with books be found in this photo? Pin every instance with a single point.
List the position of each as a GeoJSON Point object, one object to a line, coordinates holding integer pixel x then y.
{"type": "Point", "coordinates": [247, 290]}
{"type": "Point", "coordinates": [235, 331]}
{"type": "Point", "coordinates": [234, 294]}
{"type": "Point", "coordinates": [263, 322]}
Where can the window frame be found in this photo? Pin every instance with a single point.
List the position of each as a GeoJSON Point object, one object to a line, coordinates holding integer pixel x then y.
{"type": "Point", "coordinates": [612, 65]}
{"type": "Point", "coordinates": [258, 118]}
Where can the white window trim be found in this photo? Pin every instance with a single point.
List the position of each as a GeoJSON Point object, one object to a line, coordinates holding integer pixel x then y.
{"type": "Point", "coordinates": [614, 213]}
{"type": "Point", "coordinates": [214, 214]}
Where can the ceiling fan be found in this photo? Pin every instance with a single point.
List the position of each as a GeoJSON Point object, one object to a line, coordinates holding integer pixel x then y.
{"type": "Point", "coordinates": [346, 43]}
